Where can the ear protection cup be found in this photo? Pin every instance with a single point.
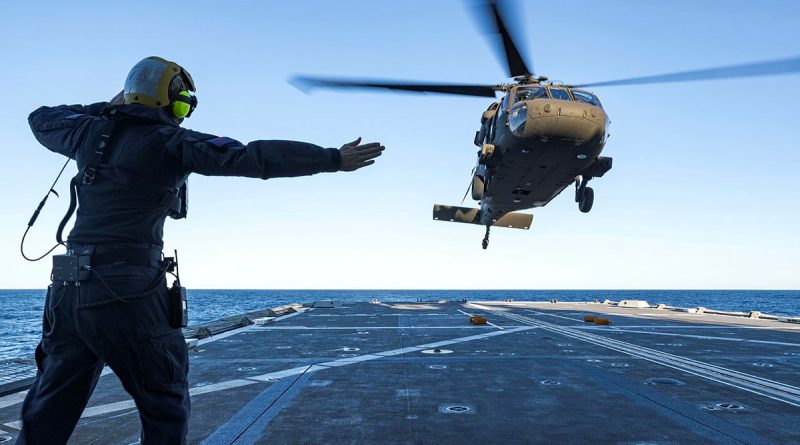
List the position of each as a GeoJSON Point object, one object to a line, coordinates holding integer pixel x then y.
{"type": "Point", "coordinates": [183, 104]}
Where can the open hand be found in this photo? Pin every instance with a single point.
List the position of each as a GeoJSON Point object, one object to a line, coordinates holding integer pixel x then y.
{"type": "Point", "coordinates": [355, 156]}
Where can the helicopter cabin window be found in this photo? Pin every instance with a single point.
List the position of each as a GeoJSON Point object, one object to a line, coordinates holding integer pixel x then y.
{"type": "Point", "coordinates": [559, 93]}
{"type": "Point", "coordinates": [530, 93]}
{"type": "Point", "coordinates": [589, 98]}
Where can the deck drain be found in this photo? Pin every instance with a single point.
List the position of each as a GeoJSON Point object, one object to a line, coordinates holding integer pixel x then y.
{"type": "Point", "coordinates": [272, 379]}
{"type": "Point", "coordinates": [437, 366]}
{"type": "Point", "coordinates": [567, 350]}
{"type": "Point", "coordinates": [724, 406]}
{"type": "Point", "coordinates": [662, 381]}
{"type": "Point", "coordinates": [620, 365]}
{"type": "Point", "coordinates": [456, 408]}
{"type": "Point", "coordinates": [347, 348]}
{"type": "Point", "coordinates": [246, 368]}
{"type": "Point", "coordinates": [563, 344]}
{"type": "Point", "coordinates": [362, 333]}
{"type": "Point", "coordinates": [549, 382]}
{"type": "Point", "coordinates": [348, 355]}
{"type": "Point", "coordinates": [437, 351]}
{"type": "Point", "coordinates": [763, 365]}
{"type": "Point", "coordinates": [283, 347]}
{"type": "Point", "coordinates": [594, 360]}
{"type": "Point", "coordinates": [411, 416]}
{"type": "Point", "coordinates": [481, 351]}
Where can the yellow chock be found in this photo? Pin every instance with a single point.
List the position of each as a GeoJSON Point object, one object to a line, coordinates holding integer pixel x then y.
{"type": "Point", "coordinates": [603, 321]}
{"type": "Point", "coordinates": [589, 318]}
{"type": "Point", "coordinates": [477, 319]}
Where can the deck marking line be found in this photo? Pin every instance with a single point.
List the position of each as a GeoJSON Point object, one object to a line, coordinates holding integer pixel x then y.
{"type": "Point", "coordinates": [487, 321]}
{"type": "Point", "coordinates": [346, 328]}
{"type": "Point", "coordinates": [351, 360]}
{"type": "Point", "coordinates": [498, 327]}
{"type": "Point", "coordinates": [255, 430]}
{"type": "Point", "coordinates": [13, 399]}
{"type": "Point", "coordinates": [554, 315]}
{"type": "Point", "coordinates": [707, 337]}
{"type": "Point", "coordinates": [769, 388]}
{"type": "Point", "coordinates": [220, 386]}
{"type": "Point", "coordinates": [399, 351]}
{"type": "Point", "coordinates": [591, 338]}
{"type": "Point", "coordinates": [714, 428]}
{"type": "Point", "coordinates": [108, 408]}
{"type": "Point", "coordinates": [17, 425]}
{"type": "Point", "coordinates": [286, 373]}
{"type": "Point", "coordinates": [231, 429]}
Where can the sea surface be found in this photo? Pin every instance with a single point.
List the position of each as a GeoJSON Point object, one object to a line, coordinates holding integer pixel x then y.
{"type": "Point", "coordinates": [21, 310]}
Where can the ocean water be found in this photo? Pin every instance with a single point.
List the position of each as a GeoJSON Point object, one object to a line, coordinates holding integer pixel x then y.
{"type": "Point", "coordinates": [21, 310]}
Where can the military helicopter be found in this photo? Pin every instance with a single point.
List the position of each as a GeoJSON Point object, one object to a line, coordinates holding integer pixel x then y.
{"type": "Point", "coordinates": [541, 137]}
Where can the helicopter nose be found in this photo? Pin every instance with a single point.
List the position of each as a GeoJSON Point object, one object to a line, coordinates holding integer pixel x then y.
{"type": "Point", "coordinates": [576, 122]}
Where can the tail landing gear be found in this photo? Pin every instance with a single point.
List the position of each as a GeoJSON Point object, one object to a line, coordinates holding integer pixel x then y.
{"type": "Point", "coordinates": [485, 242]}
{"type": "Point", "coordinates": [586, 200]}
{"type": "Point", "coordinates": [584, 195]}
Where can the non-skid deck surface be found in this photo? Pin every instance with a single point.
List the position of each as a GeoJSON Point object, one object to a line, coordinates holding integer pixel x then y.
{"type": "Point", "coordinates": [421, 373]}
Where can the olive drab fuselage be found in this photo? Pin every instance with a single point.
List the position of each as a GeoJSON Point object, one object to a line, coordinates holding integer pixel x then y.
{"type": "Point", "coordinates": [531, 149]}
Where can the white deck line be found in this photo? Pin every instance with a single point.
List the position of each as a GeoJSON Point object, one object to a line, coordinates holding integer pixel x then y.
{"type": "Point", "coordinates": [487, 321]}
{"type": "Point", "coordinates": [221, 386]}
{"type": "Point", "coordinates": [339, 328]}
{"type": "Point", "coordinates": [554, 315]}
{"type": "Point", "coordinates": [747, 382]}
{"type": "Point", "coordinates": [706, 337]}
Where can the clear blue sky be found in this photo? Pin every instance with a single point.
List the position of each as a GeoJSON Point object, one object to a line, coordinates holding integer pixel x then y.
{"type": "Point", "coordinates": [703, 194]}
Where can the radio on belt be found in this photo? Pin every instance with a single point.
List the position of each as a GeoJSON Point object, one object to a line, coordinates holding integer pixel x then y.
{"type": "Point", "coordinates": [178, 303]}
{"type": "Point", "coordinates": [71, 268]}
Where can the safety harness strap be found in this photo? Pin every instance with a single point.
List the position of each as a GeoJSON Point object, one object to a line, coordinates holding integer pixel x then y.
{"type": "Point", "coordinates": [167, 197]}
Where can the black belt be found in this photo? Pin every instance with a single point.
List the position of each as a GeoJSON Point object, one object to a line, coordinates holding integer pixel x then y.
{"type": "Point", "coordinates": [103, 254]}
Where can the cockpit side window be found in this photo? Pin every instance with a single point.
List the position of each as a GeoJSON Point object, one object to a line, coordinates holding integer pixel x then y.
{"type": "Point", "coordinates": [505, 104]}
{"type": "Point", "coordinates": [530, 93]}
{"type": "Point", "coordinates": [589, 98]}
{"type": "Point", "coordinates": [559, 94]}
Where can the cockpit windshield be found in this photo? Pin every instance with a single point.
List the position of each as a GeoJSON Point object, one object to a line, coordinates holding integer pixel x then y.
{"type": "Point", "coordinates": [559, 93]}
{"type": "Point", "coordinates": [530, 93]}
{"type": "Point", "coordinates": [585, 97]}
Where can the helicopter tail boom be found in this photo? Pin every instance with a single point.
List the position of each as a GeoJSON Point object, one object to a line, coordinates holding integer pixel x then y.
{"type": "Point", "coordinates": [514, 220]}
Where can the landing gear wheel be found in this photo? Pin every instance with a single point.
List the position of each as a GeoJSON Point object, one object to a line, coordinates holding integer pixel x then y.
{"type": "Point", "coordinates": [586, 199]}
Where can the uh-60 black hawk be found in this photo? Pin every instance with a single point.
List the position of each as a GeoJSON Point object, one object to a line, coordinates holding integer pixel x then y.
{"type": "Point", "coordinates": [541, 137]}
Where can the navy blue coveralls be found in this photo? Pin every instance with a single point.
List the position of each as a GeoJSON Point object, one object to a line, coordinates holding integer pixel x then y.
{"type": "Point", "coordinates": [121, 226]}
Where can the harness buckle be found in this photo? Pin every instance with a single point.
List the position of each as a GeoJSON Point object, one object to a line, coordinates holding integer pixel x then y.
{"type": "Point", "coordinates": [88, 176]}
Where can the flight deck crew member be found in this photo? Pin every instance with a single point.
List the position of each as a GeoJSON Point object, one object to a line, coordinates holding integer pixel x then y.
{"type": "Point", "coordinates": [134, 159]}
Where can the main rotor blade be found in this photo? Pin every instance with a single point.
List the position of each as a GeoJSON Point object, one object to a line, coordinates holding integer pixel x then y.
{"type": "Point", "coordinates": [782, 66]}
{"type": "Point", "coordinates": [516, 64]}
{"type": "Point", "coordinates": [309, 83]}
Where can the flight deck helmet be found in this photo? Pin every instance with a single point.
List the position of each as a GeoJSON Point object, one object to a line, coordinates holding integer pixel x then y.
{"type": "Point", "coordinates": [158, 83]}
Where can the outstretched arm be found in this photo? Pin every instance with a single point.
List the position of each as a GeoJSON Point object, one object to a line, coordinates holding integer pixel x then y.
{"type": "Point", "coordinates": [220, 156]}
